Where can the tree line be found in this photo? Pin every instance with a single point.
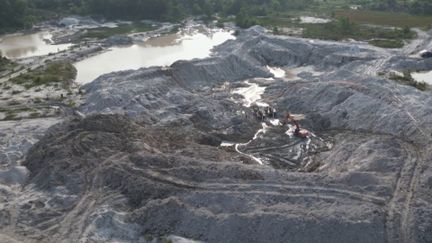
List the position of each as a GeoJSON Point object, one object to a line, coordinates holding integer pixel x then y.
{"type": "Point", "coordinates": [416, 7]}
{"type": "Point", "coordinates": [23, 13]}
{"type": "Point", "coordinates": [15, 14]}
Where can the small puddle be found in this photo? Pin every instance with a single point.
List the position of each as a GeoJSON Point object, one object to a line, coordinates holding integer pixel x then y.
{"type": "Point", "coordinates": [179, 239]}
{"type": "Point", "coordinates": [29, 45]}
{"type": "Point", "coordinates": [290, 74]}
{"type": "Point", "coordinates": [277, 72]}
{"type": "Point", "coordinates": [157, 51]}
{"type": "Point", "coordinates": [252, 94]}
{"type": "Point", "coordinates": [294, 73]}
{"type": "Point", "coordinates": [423, 77]}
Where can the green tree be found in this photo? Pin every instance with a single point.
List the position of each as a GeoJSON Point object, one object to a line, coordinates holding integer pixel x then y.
{"type": "Point", "coordinates": [12, 13]}
{"type": "Point", "coordinates": [196, 9]}
{"type": "Point", "coordinates": [345, 25]}
{"type": "Point", "coordinates": [244, 19]}
{"type": "Point", "coordinates": [207, 8]}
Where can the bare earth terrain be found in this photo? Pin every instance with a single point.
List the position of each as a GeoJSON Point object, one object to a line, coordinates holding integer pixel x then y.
{"type": "Point", "coordinates": [145, 160]}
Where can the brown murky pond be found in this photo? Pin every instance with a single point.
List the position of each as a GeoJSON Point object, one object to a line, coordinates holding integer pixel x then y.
{"type": "Point", "coordinates": [423, 77]}
{"type": "Point", "coordinates": [17, 46]}
{"type": "Point", "coordinates": [157, 51]}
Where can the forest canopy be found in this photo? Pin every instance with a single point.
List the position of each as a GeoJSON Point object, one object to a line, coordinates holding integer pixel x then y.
{"type": "Point", "coordinates": [15, 14]}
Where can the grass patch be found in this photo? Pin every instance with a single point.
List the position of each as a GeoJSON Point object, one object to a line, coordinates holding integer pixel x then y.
{"type": "Point", "coordinates": [72, 104]}
{"type": "Point", "coordinates": [105, 32]}
{"type": "Point", "coordinates": [387, 43]}
{"type": "Point", "coordinates": [35, 114]}
{"type": "Point", "coordinates": [52, 74]}
{"type": "Point", "coordinates": [165, 240]}
{"type": "Point", "coordinates": [385, 18]}
{"type": "Point", "coordinates": [407, 79]}
{"type": "Point", "coordinates": [13, 113]}
{"type": "Point", "coordinates": [6, 64]}
{"type": "Point", "coordinates": [343, 28]}
{"type": "Point", "coordinates": [274, 21]}
{"type": "Point", "coordinates": [10, 116]}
